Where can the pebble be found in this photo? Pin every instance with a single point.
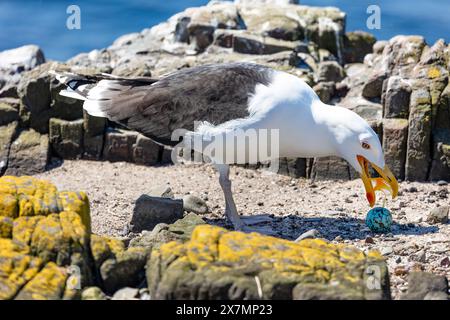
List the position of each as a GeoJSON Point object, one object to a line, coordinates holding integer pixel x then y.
{"type": "Point", "coordinates": [412, 189]}
{"type": "Point", "coordinates": [195, 204]}
{"type": "Point", "coordinates": [385, 251]}
{"type": "Point", "coordinates": [400, 270]}
{"type": "Point", "coordinates": [369, 240]}
{"type": "Point", "coordinates": [445, 262]}
{"type": "Point", "coordinates": [338, 238]}
{"type": "Point", "coordinates": [311, 234]}
{"type": "Point", "coordinates": [126, 294]}
{"type": "Point", "coordinates": [438, 215]}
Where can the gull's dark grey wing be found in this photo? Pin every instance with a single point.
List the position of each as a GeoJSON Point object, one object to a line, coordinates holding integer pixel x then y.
{"type": "Point", "coordinates": [215, 93]}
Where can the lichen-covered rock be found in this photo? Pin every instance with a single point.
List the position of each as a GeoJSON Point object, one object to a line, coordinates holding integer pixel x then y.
{"type": "Point", "coordinates": [395, 136]}
{"type": "Point", "coordinates": [419, 135]}
{"type": "Point", "coordinates": [395, 98]}
{"type": "Point", "coordinates": [104, 248]}
{"type": "Point", "coordinates": [125, 269]}
{"type": "Point", "coordinates": [149, 211]}
{"type": "Point", "coordinates": [218, 264]}
{"type": "Point", "coordinates": [66, 138]}
{"type": "Point", "coordinates": [162, 233]}
{"type": "Point", "coordinates": [9, 111]}
{"type": "Point", "coordinates": [28, 154]}
{"type": "Point", "coordinates": [242, 41]}
{"type": "Point", "coordinates": [357, 45]}
{"type": "Point", "coordinates": [44, 237]}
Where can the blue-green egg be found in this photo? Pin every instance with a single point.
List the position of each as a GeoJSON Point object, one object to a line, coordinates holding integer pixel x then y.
{"type": "Point", "coordinates": [379, 220]}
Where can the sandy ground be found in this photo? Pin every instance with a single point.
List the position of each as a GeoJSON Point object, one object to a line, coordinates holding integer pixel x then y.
{"type": "Point", "coordinates": [286, 207]}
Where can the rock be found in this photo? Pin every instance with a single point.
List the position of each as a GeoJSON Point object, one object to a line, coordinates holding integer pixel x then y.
{"type": "Point", "coordinates": [272, 21]}
{"type": "Point", "coordinates": [40, 98]}
{"type": "Point", "coordinates": [28, 154]}
{"type": "Point", "coordinates": [146, 151]}
{"type": "Point", "coordinates": [9, 111]}
{"type": "Point", "coordinates": [119, 145]}
{"type": "Point", "coordinates": [356, 45]}
{"type": "Point", "coordinates": [436, 295]}
{"type": "Point", "coordinates": [395, 135]}
{"type": "Point", "coordinates": [194, 204]}
{"type": "Point", "coordinates": [149, 211]}
{"type": "Point", "coordinates": [104, 248]}
{"type": "Point", "coordinates": [438, 215]}
{"type": "Point", "coordinates": [126, 269]}
{"type": "Point", "coordinates": [126, 294]}
{"type": "Point", "coordinates": [47, 284]}
{"type": "Point", "coordinates": [93, 147]}
{"type": "Point", "coordinates": [93, 293]}
{"type": "Point", "coordinates": [66, 138]}
{"type": "Point", "coordinates": [133, 68]}
{"type": "Point", "coordinates": [396, 97]}
{"type": "Point", "coordinates": [385, 251]}
{"type": "Point", "coordinates": [15, 61]}
{"type": "Point", "coordinates": [292, 167]}
{"type": "Point", "coordinates": [243, 42]}
{"type": "Point", "coordinates": [330, 168]}
{"type": "Point", "coordinates": [7, 134]}
{"type": "Point", "coordinates": [325, 91]}
{"type": "Point", "coordinates": [442, 183]}
{"type": "Point", "coordinates": [196, 26]}
{"type": "Point", "coordinates": [374, 85]}
{"type": "Point", "coordinates": [330, 71]}
{"type": "Point", "coordinates": [179, 231]}
{"type": "Point", "coordinates": [420, 284]}
{"type": "Point", "coordinates": [259, 2]}
{"type": "Point", "coordinates": [94, 129]}
{"type": "Point", "coordinates": [311, 234]}
{"type": "Point", "coordinates": [6, 227]}
{"type": "Point", "coordinates": [49, 248]}
{"type": "Point", "coordinates": [419, 136]}
{"type": "Point", "coordinates": [161, 191]}
{"type": "Point", "coordinates": [230, 265]}
{"type": "Point", "coordinates": [369, 111]}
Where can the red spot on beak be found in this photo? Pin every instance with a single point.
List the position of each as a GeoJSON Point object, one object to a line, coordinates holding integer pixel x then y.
{"type": "Point", "coordinates": [370, 198]}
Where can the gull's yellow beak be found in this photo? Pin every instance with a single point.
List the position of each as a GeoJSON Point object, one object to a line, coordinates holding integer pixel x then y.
{"type": "Point", "coordinates": [387, 180]}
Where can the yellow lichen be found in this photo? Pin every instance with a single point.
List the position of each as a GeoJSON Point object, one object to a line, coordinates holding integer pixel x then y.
{"type": "Point", "coordinates": [434, 72]}
{"type": "Point", "coordinates": [48, 284]}
{"type": "Point", "coordinates": [40, 225]}
{"type": "Point", "coordinates": [218, 249]}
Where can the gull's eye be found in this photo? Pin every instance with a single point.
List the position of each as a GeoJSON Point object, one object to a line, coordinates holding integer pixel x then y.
{"type": "Point", "coordinates": [365, 145]}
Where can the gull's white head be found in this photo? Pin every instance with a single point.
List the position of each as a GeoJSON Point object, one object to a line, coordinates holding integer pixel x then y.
{"type": "Point", "coordinates": [358, 143]}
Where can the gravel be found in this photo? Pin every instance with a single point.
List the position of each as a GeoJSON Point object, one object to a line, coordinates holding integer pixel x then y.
{"type": "Point", "coordinates": [284, 206]}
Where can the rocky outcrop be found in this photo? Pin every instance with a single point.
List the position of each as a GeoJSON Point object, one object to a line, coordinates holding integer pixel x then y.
{"type": "Point", "coordinates": [218, 264]}
{"type": "Point", "coordinates": [44, 250]}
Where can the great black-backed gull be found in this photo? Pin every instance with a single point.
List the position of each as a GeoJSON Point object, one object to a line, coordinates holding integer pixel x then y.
{"type": "Point", "coordinates": [231, 97]}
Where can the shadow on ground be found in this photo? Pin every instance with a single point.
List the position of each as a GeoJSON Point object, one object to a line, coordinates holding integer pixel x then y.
{"type": "Point", "coordinates": [292, 226]}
